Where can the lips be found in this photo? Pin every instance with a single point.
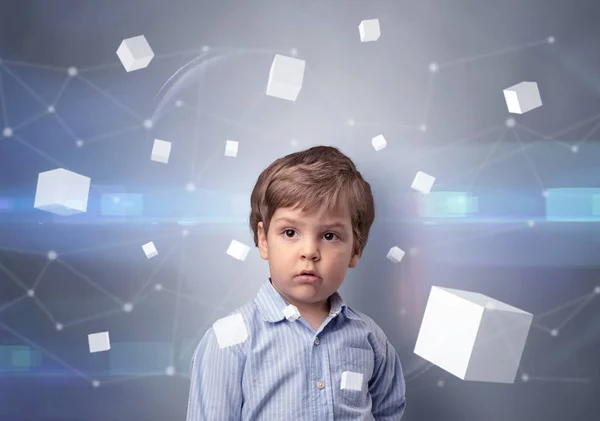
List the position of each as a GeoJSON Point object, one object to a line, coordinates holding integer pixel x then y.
{"type": "Point", "coordinates": [308, 276]}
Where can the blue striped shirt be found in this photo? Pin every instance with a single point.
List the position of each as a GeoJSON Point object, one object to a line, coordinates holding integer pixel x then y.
{"type": "Point", "coordinates": [258, 365]}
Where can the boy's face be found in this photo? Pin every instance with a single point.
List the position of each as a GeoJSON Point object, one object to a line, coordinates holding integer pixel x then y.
{"type": "Point", "coordinates": [321, 242]}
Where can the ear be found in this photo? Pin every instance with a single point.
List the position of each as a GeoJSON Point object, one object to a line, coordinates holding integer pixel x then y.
{"type": "Point", "coordinates": [262, 241]}
{"type": "Point", "coordinates": [354, 261]}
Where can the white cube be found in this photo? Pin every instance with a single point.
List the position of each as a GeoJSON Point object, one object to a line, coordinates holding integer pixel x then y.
{"type": "Point", "coordinates": [230, 330]}
{"type": "Point", "coordinates": [423, 182]}
{"type": "Point", "coordinates": [522, 97]}
{"type": "Point", "coordinates": [351, 381]}
{"type": "Point", "coordinates": [150, 250]}
{"type": "Point", "coordinates": [285, 77]}
{"type": "Point", "coordinates": [291, 313]}
{"type": "Point", "coordinates": [472, 336]}
{"type": "Point", "coordinates": [238, 250]}
{"type": "Point", "coordinates": [99, 342]}
{"type": "Point", "coordinates": [135, 53]}
{"type": "Point", "coordinates": [395, 254]}
{"type": "Point", "coordinates": [161, 150]}
{"type": "Point", "coordinates": [231, 148]}
{"type": "Point", "coordinates": [369, 30]}
{"type": "Point", "coordinates": [379, 142]}
{"type": "Point", "coordinates": [62, 192]}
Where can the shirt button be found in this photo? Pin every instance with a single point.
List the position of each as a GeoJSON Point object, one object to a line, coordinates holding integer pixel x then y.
{"type": "Point", "coordinates": [317, 342]}
{"type": "Point", "coordinates": [320, 384]}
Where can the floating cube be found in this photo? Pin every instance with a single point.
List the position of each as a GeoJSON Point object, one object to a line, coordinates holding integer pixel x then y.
{"type": "Point", "coordinates": [395, 254]}
{"type": "Point", "coordinates": [352, 381]}
{"type": "Point", "coordinates": [62, 192]}
{"type": "Point", "coordinates": [150, 250]}
{"type": "Point", "coordinates": [161, 151]}
{"type": "Point", "coordinates": [285, 77]}
{"type": "Point", "coordinates": [423, 182]}
{"type": "Point", "coordinates": [238, 250]}
{"type": "Point", "coordinates": [99, 342]}
{"type": "Point", "coordinates": [230, 330]}
{"type": "Point", "coordinates": [369, 30]}
{"type": "Point", "coordinates": [379, 142]}
{"type": "Point", "coordinates": [472, 336]}
{"type": "Point", "coordinates": [135, 53]}
{"type": "Point", "coordinates": [231, 148]}
{"type": "Point", "coordinates": [291, 313]}
{"type": "Point", "coordinates": [522, 97]}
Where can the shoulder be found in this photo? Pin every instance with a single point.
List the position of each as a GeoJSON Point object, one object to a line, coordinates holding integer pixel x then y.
{"type": "Point", "coordinates": [373, 330]}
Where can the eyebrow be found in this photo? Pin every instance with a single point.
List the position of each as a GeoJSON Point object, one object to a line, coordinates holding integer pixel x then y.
{"type": "Point", "coordinates": [294, 222]}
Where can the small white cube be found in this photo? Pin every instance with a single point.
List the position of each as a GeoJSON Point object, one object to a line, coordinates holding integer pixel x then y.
{"type": "Point", "coordinates": [522, 97]}
{"type": "Point", "coordinates": [99, 342]}
{"type": "Point", "coordinates": [150, 250]}
{"type": "Point", "coordinates": [231, 148]}
{"type": "Point", "coordinates": [285, 77]}
{"type": "Point", "coordinates": [379, 142]}
{"type": "Point", "coordinates": [238, 250]}
{"type": "Point", "coordinates": [135, 53]}
{"type": "Point", "coordinates": [291, 313]}
{"type": "Point", "coordinates": [352, 381]}
{"type": "Point", "coordinates": [423, 182]}
{"type": "Point", "coordinates": [62, 192]}
{"type": "Point", "coordinates": [161, 150]}
{"type": "Point", "coordinates": [395, 254]}
{"type": "Point", "coordinates": [369, 30]}
{"type": "Point", "coordinates": [472, 336]}
{"type": "Point", "coordinates": [230, 330]}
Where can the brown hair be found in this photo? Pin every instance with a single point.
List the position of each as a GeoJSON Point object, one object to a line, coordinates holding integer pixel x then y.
{"type": "Point", "coordinates": [309, 179]}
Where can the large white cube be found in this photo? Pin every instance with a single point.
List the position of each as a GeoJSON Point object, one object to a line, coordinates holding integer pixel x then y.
{"type": "Point", "coordinates": [285, 77]}
{"type": "Point", "coordinates": [62, 192]}
{"type": "Point", "coordinates": [135, 53]}
{"type": "Point", "coordinates": [522, 97]}
{"type": "Point", "coordinates": [369, 30]}
{"type": "Point", "coordinates": [161, 150]}
{"type": "Point", "coordinates": [379, 142]}
{"type": "Point", "coordinates": [238, 250]}
{"type": "Point", "coordinates": [99, 342]}
{"type": "Point", "coordinates": [231, 148]}
{"type": "Point", "coordinates": [423, 182]}
{"type": "Point", "coordinates": [472, 336]}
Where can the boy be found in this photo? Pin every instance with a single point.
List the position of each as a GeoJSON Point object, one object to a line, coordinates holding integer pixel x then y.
{"type": "Point", "coordinates": [298, 352]}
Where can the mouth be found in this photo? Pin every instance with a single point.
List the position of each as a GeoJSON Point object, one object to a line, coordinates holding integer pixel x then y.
{"type": "Point", "coordinates": [308, 276]}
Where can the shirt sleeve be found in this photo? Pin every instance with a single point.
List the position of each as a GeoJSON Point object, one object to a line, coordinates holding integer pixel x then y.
{"type": "Point", "coordinates": [216, 382]}
{"type": "Point", "coordinates": [387, 386]}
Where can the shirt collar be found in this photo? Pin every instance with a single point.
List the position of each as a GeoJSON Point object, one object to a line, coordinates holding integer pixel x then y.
{"type": "Point", "coordinates": [270, 303]}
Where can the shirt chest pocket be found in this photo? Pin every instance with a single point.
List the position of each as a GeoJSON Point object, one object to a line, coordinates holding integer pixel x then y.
{"type": "Point", "coordinates": [354, 372]}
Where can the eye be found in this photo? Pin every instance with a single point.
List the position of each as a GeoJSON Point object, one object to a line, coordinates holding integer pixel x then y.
{"type": "Point", "coordinates": [287, 231]}
{"type": "Point", "coordinates": [331, 233]}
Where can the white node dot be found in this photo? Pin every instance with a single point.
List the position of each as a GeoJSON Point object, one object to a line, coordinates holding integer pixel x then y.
{"type": "Point", "coordinates": [59, 326]}
{"type": "Point", "coordinates": [185, 232]}
{"type": "Point", "coordinates": [72, 71]}
{"type": "Point", "coordinates": [51, 109]}
{"type": "Point", "coordinates": [525, 377]}
{"type": "Point", "coordinates": [574, 148]}
{"type": "Point", "coordinates": [413, 251]}
{"type": "Point", "coordinates": [179, 103]}
{"type": "Point", "coordinates": [554, 332]}
{"type": "Point", "coordinates": [190, 187]}
{"type": "Point", "coordinates": [127, 307]}
{"type": "Point", "coordinates": [95, 383]}
{"type": "Point", "coordinates": [403, 311]}
{"type": "Point", "coordinates": [545, 193]}
{"type": "Point", "coordinates": [551, 40]}
{"type": "Point", "coordinates": [7, 132]}
{"type": "Point", "coordinates": [294, 52]}
{"type": "Point", "coordinates": [530, 223]}
{"type": "Point", "coordinates": [597, 290]}
{"type": "Point", "coordinates": [170, 371]}
{"type": "Point", "coordinates": [31, 293]}
{"type": "Point", "coordinates": [79, 143]}
{"type": "Point", "coordinates": [440, 383]}
{"type": "Point", "coordinates": [52, 255]}
{"type": "Point", "coordinates": [148, 124]}
{"type": "Point", "coordinates": [434, 67]}
{"type": "Point", "coordinates": [294, 143]}
{"type": "Point", "coordinates": [158, 287]}
{"type": "Point", "coordinates": [510, 122]}
{"type": "Point", "coordinates": [351, 122]}
{"type": "Point", "coordinates": [205, 48]}
{"type": "Point", "coordinates": [423, 127]}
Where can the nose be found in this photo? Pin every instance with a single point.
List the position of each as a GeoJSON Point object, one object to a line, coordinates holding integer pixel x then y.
{"type": "Point", "coordinates": [310, 249]}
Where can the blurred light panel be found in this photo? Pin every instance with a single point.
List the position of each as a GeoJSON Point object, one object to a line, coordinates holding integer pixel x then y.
{"type": "Point", "coordinates": [573, 204]}
{"type": "Point", "coordinates": [448, 204]}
